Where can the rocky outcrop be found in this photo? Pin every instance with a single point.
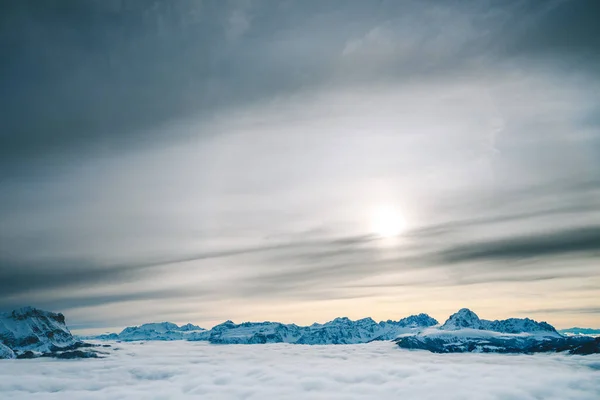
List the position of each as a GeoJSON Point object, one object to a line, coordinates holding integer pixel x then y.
{"type": "Point", "coordinates": [28, 332]}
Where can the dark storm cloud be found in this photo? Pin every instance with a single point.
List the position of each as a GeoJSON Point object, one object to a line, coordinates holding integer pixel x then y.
{"type": "Point", "coordinates": [79, 75]}
{"type": "Point", "coordinates": [93, 73]}
{"type": "Point", "coordinates": [564, 28]}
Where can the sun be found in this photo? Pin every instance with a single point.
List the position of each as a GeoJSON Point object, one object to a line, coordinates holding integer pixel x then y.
{"type": "Point", "coordinates": [386, 221]}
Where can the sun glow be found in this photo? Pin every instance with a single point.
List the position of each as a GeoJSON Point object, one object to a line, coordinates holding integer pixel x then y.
{"type": "Point", "coordinates": [386, 221]}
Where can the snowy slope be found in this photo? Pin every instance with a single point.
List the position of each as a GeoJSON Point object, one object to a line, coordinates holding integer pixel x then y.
{"type": "Point", "coordinates": [30, 329]}
{"type": "Point", "coordinates": [6, 352]}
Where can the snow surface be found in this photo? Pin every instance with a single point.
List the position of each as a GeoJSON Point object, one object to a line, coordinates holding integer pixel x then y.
{"type": "Point", "coordinates": [378, 370]}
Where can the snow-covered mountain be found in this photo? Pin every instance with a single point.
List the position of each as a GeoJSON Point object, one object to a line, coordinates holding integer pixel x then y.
{"type": "Point", "coordinates": [466, 318]}
{"type": "Point", "coordinates": [29, 332]}
{"type": "Point", "coordinates": [254, 333]}
{"type": "Point", "coordinates": [346, 331]}
{"type": "Point", "coordinates": [339, 331]}
{"type": "Point", "coordinates": [464, 331]}
{"type": "Point", "coordinates": [155, 331]}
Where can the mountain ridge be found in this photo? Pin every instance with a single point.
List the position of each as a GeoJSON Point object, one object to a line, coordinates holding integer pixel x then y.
{"type": "Point", "coordinates": [340, 330]}
{"type": "Point", "coordinates": [29, 332]}
{"type": "Point", "coordinates": [465, 318]}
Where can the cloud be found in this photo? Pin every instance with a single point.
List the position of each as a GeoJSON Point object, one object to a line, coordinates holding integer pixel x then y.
{"type": "Point", "coordinates": [582, 240]}
{"type": "Point", "coordinates": [109, 81]}
{"type": "Point", "coordinates": [181, 370]}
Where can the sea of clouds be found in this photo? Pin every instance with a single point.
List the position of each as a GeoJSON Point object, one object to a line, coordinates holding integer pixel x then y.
{"type": "Point", "coordinates": [193, 370]}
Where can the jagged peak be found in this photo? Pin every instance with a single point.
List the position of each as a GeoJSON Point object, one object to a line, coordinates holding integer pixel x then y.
{"type": "Point", "coordinates": [29, 311]}
{"type": "Point", "coordinates": [26, 310]}
{"type": "Point", "coordinates": [190, 327]}
{"type": "Point", "coordinates": [32, 312]}
{"type": "Point", "coordinates": [465, 311]}
{"type": "Point", "coordinates": [227, 324]}
{"type": "Point", "coordinates": [164, 326]}
{"type": "Point", "coordinates": [340, 319]}
{"type": "Point", "coordinates": [463, 318]}
{"type": "Point", "coordinates": [421, 319]}
{"type": "Point", "coordinates": [368, 320]}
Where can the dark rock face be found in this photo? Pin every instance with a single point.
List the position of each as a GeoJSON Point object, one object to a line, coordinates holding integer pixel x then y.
{"type": "Point", "coordinates": [74, 354]}
{"type": "Point", "coordinates": [591, 347]}
{"type": "Point", "coordinates": [27, 355]}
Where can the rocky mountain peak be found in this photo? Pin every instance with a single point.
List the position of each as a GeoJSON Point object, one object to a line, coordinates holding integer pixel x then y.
{"type": "Point", "coordinates": [464, 318]}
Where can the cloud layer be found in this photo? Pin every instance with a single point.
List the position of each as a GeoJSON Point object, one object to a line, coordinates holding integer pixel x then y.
{"type": "Point", "coordinates": [182, 370]}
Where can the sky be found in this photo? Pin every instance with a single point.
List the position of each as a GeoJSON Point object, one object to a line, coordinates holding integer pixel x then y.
{"type": "Point", "coordinates": [197, 161]}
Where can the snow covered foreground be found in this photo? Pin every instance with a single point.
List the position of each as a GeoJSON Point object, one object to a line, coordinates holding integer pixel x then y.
{"type": "Point", "coordinates": [193, 370]}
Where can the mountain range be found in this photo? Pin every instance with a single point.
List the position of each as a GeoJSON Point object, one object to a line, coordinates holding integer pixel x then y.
{"type": "Point", "coordinates": [338, 331]}
{"type": "Point", "coordinates": [29, 332]}
{"type": "Point", "coordinates": [464, 331]}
